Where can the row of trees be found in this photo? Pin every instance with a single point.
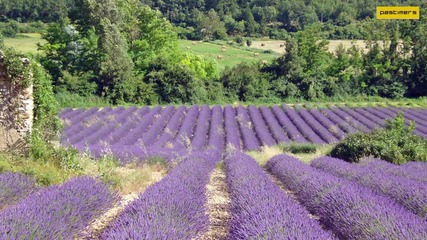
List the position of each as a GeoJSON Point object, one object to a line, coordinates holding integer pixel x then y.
{"type": "Point", "coordinates": [394, 66]}
{"type": "Point", "coordinates": [199, 19]}
{"type": "Point", "coordinates": [125, 52]}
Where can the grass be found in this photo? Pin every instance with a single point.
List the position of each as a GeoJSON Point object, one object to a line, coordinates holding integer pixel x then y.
{"type": "Point", "coordinates": [129, 179]}
{"type": "Point", "coordinates": [359, 101]}
{"type": "Point", "coordinates": [230, 57]}
{"type": "Point", "coordinates": [275, 45]}
{"type": "Point", "coordinates": [267, 153]}
{"type": "Point", "coordinates": [76, 101]}
{"type": "Point", "coordinates": [25, 42]}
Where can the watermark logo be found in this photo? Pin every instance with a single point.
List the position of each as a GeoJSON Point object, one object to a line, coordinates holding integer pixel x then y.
{"type": "Point", "coordinates": [398, 12]}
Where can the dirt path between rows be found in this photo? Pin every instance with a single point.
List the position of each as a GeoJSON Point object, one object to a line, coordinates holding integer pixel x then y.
{"type": "Point", "coordinates": [96, 228]}
{"type": "Point", "coordinates": [218, 203]}
{"type": "Point", "coordinates": [288, 192]}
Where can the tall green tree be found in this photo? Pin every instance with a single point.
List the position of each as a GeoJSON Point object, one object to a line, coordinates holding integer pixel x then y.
{"type": "Point", "coordinates": [115, 65]}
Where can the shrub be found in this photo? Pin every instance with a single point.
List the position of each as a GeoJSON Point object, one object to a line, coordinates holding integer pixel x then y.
{"type": "Point", "coordinates": [395, 143]}
{"type": "Point", "coordinates": [299, 147]}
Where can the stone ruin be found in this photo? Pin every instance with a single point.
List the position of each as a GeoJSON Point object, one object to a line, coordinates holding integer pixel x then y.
{"type": "Point", "coordinates": [16, 111]}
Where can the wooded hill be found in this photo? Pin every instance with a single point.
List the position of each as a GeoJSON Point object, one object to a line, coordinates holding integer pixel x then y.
{"type": "Point", "coordinates": [198, 19]}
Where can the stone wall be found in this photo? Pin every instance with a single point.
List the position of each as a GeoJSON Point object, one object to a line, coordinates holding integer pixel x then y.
{"type": "Point", "coordinates": [16, 112]}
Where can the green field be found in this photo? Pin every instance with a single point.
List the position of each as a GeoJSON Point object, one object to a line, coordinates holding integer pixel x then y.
{"type": "Point", "coordinates": [231, 56]}
{"type": "Point", "coordinates": [25, 42]}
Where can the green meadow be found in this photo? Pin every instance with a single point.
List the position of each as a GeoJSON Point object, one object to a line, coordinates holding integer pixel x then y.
{"type": "Point", "coordinates": [25, 42]}
{"type": "Point", "coordinates": [225, 54]}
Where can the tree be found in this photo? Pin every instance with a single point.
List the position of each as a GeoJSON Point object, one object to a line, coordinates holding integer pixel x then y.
{"type": "Point", "coordinates": [115, 65]}
{"type": "Point", "coordinates": [251, 25]}
{"type": "Point", "coordinates": [211, 26]}
{"type": "Point", "coordinates": [245, 82]}
{"type": "Point", "coordinates": [303, 65]}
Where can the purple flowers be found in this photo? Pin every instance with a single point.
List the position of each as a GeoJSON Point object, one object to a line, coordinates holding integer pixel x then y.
{"type": "Point", "coordinates": [409, 193]}
{"type": "Point", "coordinates": [349, 209]}
{"type": "Point", "coordinates": [131, 133]}
{"type": "Point", "coordinates": [260, 209]}
{"type": "Point", "coordinates": [57, 212]}
{"type": "Point", "coordinates": [13, 187]}
{"type": "Point", "coordinates": [173, 208]}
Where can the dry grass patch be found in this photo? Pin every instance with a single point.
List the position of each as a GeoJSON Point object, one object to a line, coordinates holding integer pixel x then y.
{"type": "Point", "coordinates": [129, 179]}
{"type": "Point", "coordinates": [265, 154]}
{"type": "Point", "coordinates": [308, 157]}
{"type": "Point", "coordinates": [279, 45]}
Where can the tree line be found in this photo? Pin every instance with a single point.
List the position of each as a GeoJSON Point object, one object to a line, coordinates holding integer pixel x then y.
{"type": "Point", "coordinates": [219, 19]}
{"type": "Point", "coordinates": [126, 52]}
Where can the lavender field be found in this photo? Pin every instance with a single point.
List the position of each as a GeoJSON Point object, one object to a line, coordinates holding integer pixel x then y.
{"type": "Point", "coordinates": [135, 133]}
{"type": "Point", "coordinates": [213, 189]}
{"type": "Point", "coordinates": [287, 199]}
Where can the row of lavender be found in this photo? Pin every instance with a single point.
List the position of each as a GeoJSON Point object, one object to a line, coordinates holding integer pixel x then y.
{"type": "Point", "coordinates": [143, 131]}
{"type": "Point", "coordinates": [175, 207]}
{"type": "Point", "coordinates": [260, 209]}
{"type": "Point", "coordinates": [354, 206]}
{"type": "Point", "coordinates": [411, 194]}
{"type": "Point", "coordinates": [56, 212]}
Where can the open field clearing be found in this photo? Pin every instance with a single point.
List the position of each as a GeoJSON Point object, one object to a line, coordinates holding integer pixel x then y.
{"type": "Point", "coordinates": [228, 56]}
{"type": "Point", "coordinates": [27, 43]}
{"type": "Point", "coordinates": [279, 45]}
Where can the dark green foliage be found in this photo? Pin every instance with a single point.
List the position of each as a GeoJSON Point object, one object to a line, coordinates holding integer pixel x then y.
{"type": "Point", "coordinates": [46, 124]}
{"type": "Point", "coordinates": [395, 143]}
{"type": "Point", "coordinates": [175, 83]}
{"type": "Point", "coordinates": [304, 66]}
{"type": "Point", "coordinates": [13, 28]}
{"type": "Point", "coordinates": [30, 10]}
{"type": "Point", "coordinates": [10, 29]}
{"type": "Point", "coordinates": [299, 147]}
{"type": "Point", "coordinates": [245, 82]}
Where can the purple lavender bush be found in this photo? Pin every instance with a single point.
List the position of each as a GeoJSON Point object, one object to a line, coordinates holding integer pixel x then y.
{"type": "Point", "coordinates": [57, 212]}
{"type": "Point", "coordinates": [302, 125]}
{"type": "Point", "coordinates": [13, 187]}
{"type": "Point", "coordinates": [260, 127]}
{"type": "Point", "coordinates": [260, 209]}
{"type": "Point", "coordinates": [410, 194]}
{"type": "Point", "coordinates": [216, 131]}
{"type": "Point", "coordinates": [349, 209]}
{"type": "Point", "coordinates": [182, 140]}
{"type": "Point", "coordinates": [249, 138]}
{"type": "Point", "coordinates": [173, 208]}
{"type": "Point", "coordinates": [198, 141]}
{"type": "Point", "coordinates": [287, 125]}
{"type": "Point", "coordinates": [231, 129]}
{"type": "Point", "coordinates": [416, 171]}
{"type": "Point", "coordinates": [276, 130]}
{"type": "Point", "coordinates": [338, 120]}
{"type": "Point", "coordinates": [317, 127]}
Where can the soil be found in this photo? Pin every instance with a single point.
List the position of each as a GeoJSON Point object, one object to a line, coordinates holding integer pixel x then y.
{"type": "Point", "coordinates": [95, 229]}
{"type": "Point", "coordinates": [218, 207]}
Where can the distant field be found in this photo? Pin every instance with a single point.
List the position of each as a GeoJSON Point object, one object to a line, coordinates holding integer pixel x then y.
{"type": "Point", "coordinates": [231, 56]}
{"type": "Point", "coordinates": [275, 45]}
{"type": "Point", "coordinates": [27, 43]}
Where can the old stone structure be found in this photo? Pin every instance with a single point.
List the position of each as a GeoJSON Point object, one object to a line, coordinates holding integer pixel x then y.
{"type": "Point", "coordinates": [16, 111]}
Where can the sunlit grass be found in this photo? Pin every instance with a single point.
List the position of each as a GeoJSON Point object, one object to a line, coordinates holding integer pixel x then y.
{"type": "Point", "coordinates": [25, 42]}
{"type": "Point", "coordinates": [267, 153]}
{"type": "Point", "coordinates": [230, 56]}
